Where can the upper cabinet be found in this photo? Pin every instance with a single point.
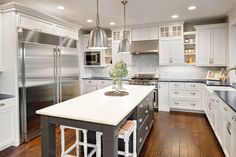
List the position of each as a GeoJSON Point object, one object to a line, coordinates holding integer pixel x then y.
{"type": "Point", "coordinates": [211, 45]}
{"type": "Point", "coordinates": [41, 25]}
{"type": "Point", "coordinates": [1, 48]}
{"type": "Point", "coordinates": [141, 34]}
{"type": "Point", "coordinates": [171, 45]}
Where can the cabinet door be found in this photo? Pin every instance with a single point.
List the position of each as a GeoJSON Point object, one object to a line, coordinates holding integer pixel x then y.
{"type": "Point", "coordinates": [135, 35]}
{"type": "Point", "coordinates": [165, 52]}
{"type": "Point", "coordinates": [153, 33]}
{"type": "Point", "coordinates": [177, 50]}
{"type": "Point", "coordinates": [90, 88]}
{"type": "Point", "coordinates": [219, 46]}
{"type": "Point", "coordinates": [233, 142]}
{"type": "Point", "coordinates": [7, 127]}
{"type": "Point", "coordinates": [66, 32]}
{"type": "Point", "coordinates": [144, 34]}
{"type": "Point", "coordinates": [227, 137]}
{"type": "Point", "coordinates": [104, 83]}
{"type": "Point", "coordinates": [163, 97]}
{"type": "Point", "coordinates": [164, 32]}
{"type": "Point", "coordinates": [203, 49]}
{"type": "Point", "coordinates": [1, 48]}
{"type": "Point", "coordinates": [219, 122]}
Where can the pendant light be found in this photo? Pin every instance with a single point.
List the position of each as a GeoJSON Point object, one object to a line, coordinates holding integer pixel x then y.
{"type": "Point", "coordinates": [98, 37]}
{"type": "Point", "coordinates": [124, 45]}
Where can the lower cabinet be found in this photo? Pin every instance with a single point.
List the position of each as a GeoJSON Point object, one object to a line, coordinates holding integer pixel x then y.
{"type": "Point", "coordinates": [8, 123]}
{"type": "Point", "coordinates": [163, 97]}
{"type": "Point", "coordinates": [92, 85]}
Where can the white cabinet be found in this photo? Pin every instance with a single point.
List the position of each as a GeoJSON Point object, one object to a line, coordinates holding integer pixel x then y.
{"type": "Point", "coordinates": [41, 25]}
{"type": "Point", "coordinates": [233, 141]}
{"type": "Point", "coordinates": [93, 85]}
{"type": "Point", "coordinates": [66, 32]}
{"type": "Point", "coordinates": [147, 33]}
{"type": "Point", "coordinates": [8, 121]}
{"type": "Point", "coordinates": [33, 23]}
{"type": "Point", "coordinates": [163, 97]}
{"type": "Point", "coordinates": [116, 57]}
{"type": "Point", "coordinates": [171, 45]}
{"type": "Point", "coordinates": [211, 45]}
{"type": "Point", "coordinates": [1, 48]}
{"type": "Point", "coordinates": [219, 122]}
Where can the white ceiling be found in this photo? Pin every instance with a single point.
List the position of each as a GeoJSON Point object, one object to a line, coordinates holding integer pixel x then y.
{"type": "Point", "coordinates": [138, 11]}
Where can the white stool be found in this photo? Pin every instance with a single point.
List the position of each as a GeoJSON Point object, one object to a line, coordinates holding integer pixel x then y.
{"type": "Point", "coordinates": [124, 133]}
{"type": "Point", "coordinates": [85, 144]}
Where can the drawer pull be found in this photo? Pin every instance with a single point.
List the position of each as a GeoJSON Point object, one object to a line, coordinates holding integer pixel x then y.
{"type": "Point", "coordinates": [225, 109]}
{"type": "Point", "coordinates": [176, 92]}
{"type": "Point", "coordinates": [102, 82]}
{"type": "Point", "coordinates": [147, 99]}
{"type": "Point", "coordinates": [193, 93]}
{"type": "Point", "coordinates": [176, 103]}
{"type": "Point", "coordinates": [234, 118]}
{"type": "Point", "coordinates": [146, 111]}
{"type": "Point", "coordinates": [176, 85]}
{"type": "Point", "coordinates": [140, 120]}
{"type": "Point", "coordinates": [146, 128]}
{"type": "Point", "coordinates": [140, 140]}
{"type": "Point", "coordinates": [209, 106]}
{"type": "Point", "coordinates": [193, 85]}
{"type": "Point", "coordinates": [39, 30]}
{"type": "Point", "coordinates": [141, 106]}
{"type": "Point", "coordinates": [2, 104]}
{"type": "Point", "coordinates": [193, 104]}
{"type": "Point", "coordinates": [229, 128]}
{"type": "Point", "coordinates": [89, 81]}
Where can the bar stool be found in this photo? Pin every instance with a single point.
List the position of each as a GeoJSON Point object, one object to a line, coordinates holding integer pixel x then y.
{"type": "Point", "coordinates": [96, 147]}
{"type": "Point", "coordinates": [124, 133]}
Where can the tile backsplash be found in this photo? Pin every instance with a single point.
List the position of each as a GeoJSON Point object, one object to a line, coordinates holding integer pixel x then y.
{"type": "Point", "coordinates": [149, 64]}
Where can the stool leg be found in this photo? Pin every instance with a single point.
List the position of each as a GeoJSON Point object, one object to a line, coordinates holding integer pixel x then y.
{"type": "Point", "coordinates": [126, 139]}
{"type": "Point", "coordinates": [62, 141]}
{"type": "Point", "coordinates": [77, 143]}
{"type": "Point", "coordinates": [98, 144]}
{"type": "Point", "coordinates": [85, 143]}
{"type": "Point", "coordinates": [135, 140]}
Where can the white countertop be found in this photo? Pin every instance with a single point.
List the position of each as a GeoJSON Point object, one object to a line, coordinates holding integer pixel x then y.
{"type": "Point", "coordinates": [98, 108]}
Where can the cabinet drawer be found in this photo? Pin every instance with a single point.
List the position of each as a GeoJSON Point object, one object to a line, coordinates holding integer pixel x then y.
{"type": "Point", "coordinates": [176, 85]}
{"type": "Point", "coordinates": [142, 117]}
{"type": "Point", "coordinates": [193, 93]}
{"type": "Point", "coordinates": [6, 103]}
{"type": "Point", "coordinates": [33, 23]}
{"type": "Point", "coordinates": [142, 134]}
{"type": "Point", "coordinates": [143, 105]}
{"type": "Point", "coordinates": [192, 85]}
{"type": "Point", "coordinates": [185, 93]}
{"type": "Point", "coordinates": [66, 32]}
{"type": "Point", "coordinates": [104, 82]}
{"type": "Point", "coordinates": [182, 104]}
{"type": "Point", "coordinates": [90, 82]}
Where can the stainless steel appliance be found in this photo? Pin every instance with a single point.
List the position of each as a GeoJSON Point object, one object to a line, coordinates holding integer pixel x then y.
{"type": "Point", "coordinates": [147, 80]}
{"type": "Point", "coordinates": [48, 74]}
{"type": "Point", "coordinates": [92, 58]}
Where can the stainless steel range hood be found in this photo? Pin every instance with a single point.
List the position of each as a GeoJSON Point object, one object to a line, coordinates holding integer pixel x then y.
{"type": "Point", "coordinates": [145, 47]}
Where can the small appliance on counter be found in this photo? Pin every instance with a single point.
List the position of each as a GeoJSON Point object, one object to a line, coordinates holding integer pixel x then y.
{"type": "Point", "coordinates": [213, 78]}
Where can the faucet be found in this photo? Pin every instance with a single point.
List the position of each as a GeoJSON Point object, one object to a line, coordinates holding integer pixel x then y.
{"type": "Point", "coordinates": [234, 68]}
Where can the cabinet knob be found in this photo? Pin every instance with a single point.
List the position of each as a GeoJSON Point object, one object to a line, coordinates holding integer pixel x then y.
{"type": "Point", "coordinates": [146, 111]}
{"type": "Point", "coordinates": [229, 128]}
{"type": "Point", "coordinates": [193, 93]}
{"type": "Point", "coordinates": [141, 106]}
{"type": "Point", "coordinates": [225, 109]}
{"type": "Point", "coordinates": [140, 140]}
{"type": "Point", "coordinates": [140, 120]}
{"type": "Point", "coordinates": [146, 128]}
{"type": "Point", "coordinates": [234, 118]}
{"type": "Point", "coordinates": [2, 104]}
{"type": "Point", "coordinates": [193, 104]}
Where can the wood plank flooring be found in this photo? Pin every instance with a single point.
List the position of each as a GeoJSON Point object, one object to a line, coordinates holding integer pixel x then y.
{"type": "Point", "coordinates": [173, 135]}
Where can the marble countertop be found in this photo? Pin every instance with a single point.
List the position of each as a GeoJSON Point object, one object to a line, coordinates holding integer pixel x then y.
{"type": "Point", "coordinates": [229, 97]}
{"type": "Point", "coordinates": [5, 96]}
{"type": "Point", "coordinates": [102, 78]}
{"type": "Point", "coordinates": [97, 108]}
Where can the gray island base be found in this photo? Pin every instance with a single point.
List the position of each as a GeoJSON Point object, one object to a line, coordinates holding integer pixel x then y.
{"type": "Point", "coordinates": [114, 111]}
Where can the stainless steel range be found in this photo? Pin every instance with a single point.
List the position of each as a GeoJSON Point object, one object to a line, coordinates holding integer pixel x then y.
{"type": "Point", "coordinates": [147, 80]}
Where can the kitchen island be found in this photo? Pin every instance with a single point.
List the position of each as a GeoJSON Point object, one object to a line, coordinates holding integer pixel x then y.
{"type": "Point", "coordinates": [97, 112]}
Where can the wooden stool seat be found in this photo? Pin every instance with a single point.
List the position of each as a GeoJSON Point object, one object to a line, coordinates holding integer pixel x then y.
{"type": "Point", "coordinates": [127, 127]}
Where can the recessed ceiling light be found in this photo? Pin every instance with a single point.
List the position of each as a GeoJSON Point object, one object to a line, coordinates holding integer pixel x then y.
{"type": "Point", "coordinates": [60, 7]}
{"type": "Point", "coordinates": [192, 7]}
{"type": "Point", "coordinates": [174, 16]}
{"type": "Point", "coordinates": [89, 20]}
{"type": "Point", "coordinates": [112, 23]}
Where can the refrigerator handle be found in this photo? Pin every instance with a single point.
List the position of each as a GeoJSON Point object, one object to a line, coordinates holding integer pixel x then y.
{"type": "Point", "coordinates": [55, 75]}
{"type": "Point", "coordinates": [60, 83]}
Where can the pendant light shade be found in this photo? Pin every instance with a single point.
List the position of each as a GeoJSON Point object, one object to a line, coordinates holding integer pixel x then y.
{"type": "Point", "coordinates": [98, 37]}
{"type": "Point", "coordinates": [124, 45]}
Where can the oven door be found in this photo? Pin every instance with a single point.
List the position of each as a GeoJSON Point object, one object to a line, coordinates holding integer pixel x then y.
{"type": "Point", "coordinates": [93, 58]}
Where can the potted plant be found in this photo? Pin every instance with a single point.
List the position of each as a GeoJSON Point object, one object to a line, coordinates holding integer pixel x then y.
{"type": "Point", "coordinates": [117, 72]}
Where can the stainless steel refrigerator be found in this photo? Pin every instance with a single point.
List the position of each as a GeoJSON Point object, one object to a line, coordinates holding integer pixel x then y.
{"type": "Point", "coordinates": [48, 74]}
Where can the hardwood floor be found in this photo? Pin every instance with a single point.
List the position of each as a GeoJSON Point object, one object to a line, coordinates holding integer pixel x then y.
{"type": "Point", "coordinates": [173, 135]}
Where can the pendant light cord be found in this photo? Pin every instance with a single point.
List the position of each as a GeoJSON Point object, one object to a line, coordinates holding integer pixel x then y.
{"type": "Point", "coordinates": [97, 20]}
{"type": "Point", "coordinates": [124, 2]}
